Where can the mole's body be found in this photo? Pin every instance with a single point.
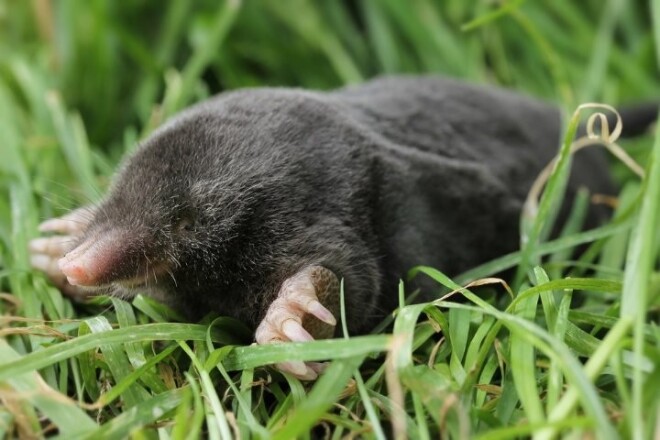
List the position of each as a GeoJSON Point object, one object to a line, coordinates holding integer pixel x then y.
{"type": "Point", "coordinates": [238, 196]}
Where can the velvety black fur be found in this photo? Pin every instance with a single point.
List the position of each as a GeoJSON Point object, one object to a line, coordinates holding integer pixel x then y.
{"type": "Point", "coordinates": [239, 192]}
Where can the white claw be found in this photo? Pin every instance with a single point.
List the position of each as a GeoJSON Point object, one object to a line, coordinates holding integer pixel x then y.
{"type": "Point", "coordinates": [297, 369]}
{"type": "Point", "coordinates": [54, 246]}
{"type": "Point", "coordinates": [45, 264]}
{"type": "Point", "coordinates": [318, 367]}
{"type": "Point", "coordinates": [60, 225]}
{"type": "Point", "coordinates": [317, 309]}
{"type": "Point", "coordinates": [295, 332]}
{"type": "Point", "coordinates": [70, 224]}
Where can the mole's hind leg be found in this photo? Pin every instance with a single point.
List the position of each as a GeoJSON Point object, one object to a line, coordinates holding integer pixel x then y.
{"type": "Point", "coordinates": [46, 251]}
{"type": "Point", "coordinates": [300, 313]}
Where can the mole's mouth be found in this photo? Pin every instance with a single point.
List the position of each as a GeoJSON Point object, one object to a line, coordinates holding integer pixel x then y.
{"type": "Point", "coordinates": [149, 276]}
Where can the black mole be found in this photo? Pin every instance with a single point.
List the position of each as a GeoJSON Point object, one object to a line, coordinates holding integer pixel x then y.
{"type": "Point", "coordinates": [254, 196]}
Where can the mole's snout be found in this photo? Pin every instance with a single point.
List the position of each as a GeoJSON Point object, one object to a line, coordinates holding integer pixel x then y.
{"type": "Point", "coordinates": [93, 262]}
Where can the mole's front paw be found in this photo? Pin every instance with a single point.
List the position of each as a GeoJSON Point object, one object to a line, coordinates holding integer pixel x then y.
{"type": "Point", "coordinates": [46, 251]}
{"type": "Point", "coordinates": [300, 313]}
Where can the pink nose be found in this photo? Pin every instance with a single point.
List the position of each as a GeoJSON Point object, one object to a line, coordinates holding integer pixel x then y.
{"type": "Point", "coordinates": [75, 273]}
{"type": "Point", "coordinates": [92, 262]}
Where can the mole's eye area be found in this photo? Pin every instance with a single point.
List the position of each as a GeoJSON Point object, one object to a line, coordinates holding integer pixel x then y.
{"type": "Point", "coordinates": [185, 224]}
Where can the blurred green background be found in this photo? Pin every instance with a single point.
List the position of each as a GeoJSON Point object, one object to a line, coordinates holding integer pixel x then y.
{"type": "Point", "coordinates": [114, 62]}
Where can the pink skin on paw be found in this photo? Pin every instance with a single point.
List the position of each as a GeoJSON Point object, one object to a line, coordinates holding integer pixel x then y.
{"type": "Point", "coordinates": [298, 315]}
{"type": "Point", "coordinates": [46, 251]}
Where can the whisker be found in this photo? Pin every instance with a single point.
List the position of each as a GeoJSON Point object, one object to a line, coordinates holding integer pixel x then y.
{"type": "Point", "coordinates": [172, 276]}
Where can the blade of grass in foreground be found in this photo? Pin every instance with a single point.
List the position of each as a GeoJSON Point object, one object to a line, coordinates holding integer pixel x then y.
{"type": "Point", "coordinates": [116, 359]}
{"type": "Point", "coordinates": [639, 265]}
{"type": "Point", "coordinates": [188, 421]}
{"type": "Point", "coordinates": [534, 223]}
{"type": "Point", "coordinates": [580, 381]}
{"type": "Point", "coordinates": [141, 415]}
{"type": "Point", "coordinates": [556, 349]}
{"type": "Point", "coordinates": [219, 419]}
{"type": "Point", "coordinates": [511, 260]}
{"type": "Point", "coordinates": [257, 355]}
{"type": "Point", "coordinates": [592, 368]}
{"type": "Point", "coordinates": [64, 413]}
{"type": "Point", "coordinates": [523, 364]}
{"type": "Point", "coordinates": [120, 386]}
{"type": "Point", "coordinates": [324, 393]}
{"type": "Point", "coordinates": [73, 347]}
{"type": "Point", "coordinates": [362, 389]}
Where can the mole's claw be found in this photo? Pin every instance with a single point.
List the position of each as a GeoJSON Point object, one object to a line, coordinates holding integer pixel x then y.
{"type": "Point", "coordinates": [309, 375]}
{"type": "Point", "coordinates": [54, 225]}
{"type": "Point", "coordinates": [296, 332]}
{"type": "Point", "coordinates": [38, 245]}
{"type": "Point", "coordinates": [52, 246]}
{"type": "Point", "coordinates": [70, 224]}
{"type": "Point", "coordinates": [317, 367]}
{"type": "Point", "coordinates": [317, 309]}
{"type": "Point", "coordinates": [45, 264]}
{"type": "Point", "coordinates": [298, 369]}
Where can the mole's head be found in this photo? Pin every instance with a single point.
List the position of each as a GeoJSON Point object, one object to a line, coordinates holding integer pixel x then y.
{"type": "Point", "coordinates": [188, 215]}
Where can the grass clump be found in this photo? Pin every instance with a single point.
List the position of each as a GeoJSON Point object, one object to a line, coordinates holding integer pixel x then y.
{"type": "Point", "coordinates": [82, 82]}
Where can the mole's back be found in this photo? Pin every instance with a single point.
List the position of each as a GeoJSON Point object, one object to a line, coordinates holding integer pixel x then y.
{"type": "Point", "coordinates": [431, 117]}
{"type": "Point", "coordinates": [454, 164]}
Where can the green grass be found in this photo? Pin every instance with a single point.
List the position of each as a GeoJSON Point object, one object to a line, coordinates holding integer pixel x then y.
{"type": "Point", "coordinates": [572, 350]}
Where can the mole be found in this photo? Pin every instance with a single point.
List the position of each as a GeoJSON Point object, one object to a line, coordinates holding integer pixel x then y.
{"type": "Point", "coordinates": [256, 203]}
